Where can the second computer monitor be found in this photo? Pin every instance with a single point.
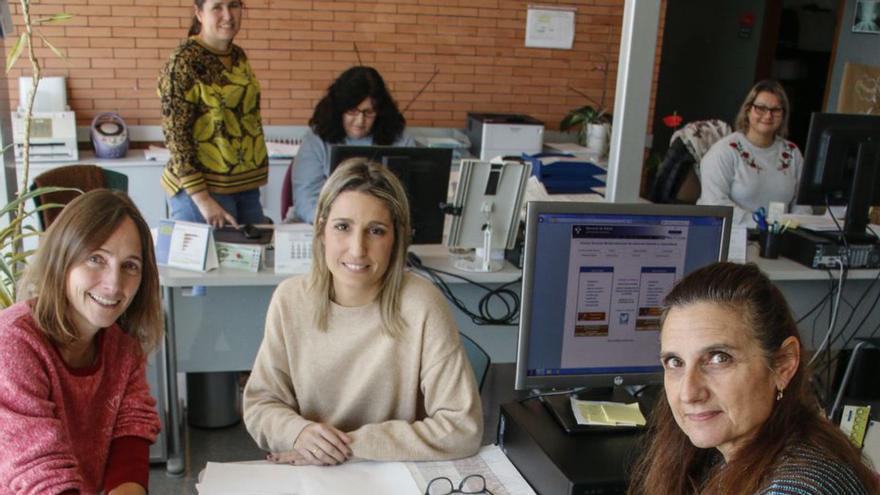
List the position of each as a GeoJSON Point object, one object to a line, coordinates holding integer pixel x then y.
{"type": "Point", "coordinates": [594, 279]}
{"type": "Point", "coordinates": [842, 167]}
{"type": "Point", "coordinates": [424, 173]}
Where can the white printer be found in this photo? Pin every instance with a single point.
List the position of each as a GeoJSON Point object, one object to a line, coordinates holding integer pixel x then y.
{"type": "Point", "coordinates": [503, 134]}
{"type": "Point", "coordinates": [53, 125]}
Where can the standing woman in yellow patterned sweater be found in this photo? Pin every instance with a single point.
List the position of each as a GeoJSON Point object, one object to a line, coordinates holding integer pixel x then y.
{"type": "Point", "coordinates": [211, 119]}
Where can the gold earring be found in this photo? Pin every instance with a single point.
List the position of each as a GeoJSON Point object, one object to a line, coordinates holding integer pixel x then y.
{"type": "Point", "coordinates": [778, 394]}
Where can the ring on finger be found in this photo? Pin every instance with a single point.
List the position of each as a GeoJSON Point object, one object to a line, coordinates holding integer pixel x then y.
{"type": "Point", "coordinates": [316, 452]}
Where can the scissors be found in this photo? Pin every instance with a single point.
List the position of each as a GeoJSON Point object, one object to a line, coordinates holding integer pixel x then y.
{"type": "Point", "coordinates": [760, 217]}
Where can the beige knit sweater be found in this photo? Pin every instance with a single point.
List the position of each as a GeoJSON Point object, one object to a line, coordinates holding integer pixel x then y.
{"type": "Point", "coordinates": [413, 397]}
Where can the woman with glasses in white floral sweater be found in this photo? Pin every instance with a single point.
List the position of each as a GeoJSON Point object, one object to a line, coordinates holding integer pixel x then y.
{"type": "Point", "coordinates": [755, 165]}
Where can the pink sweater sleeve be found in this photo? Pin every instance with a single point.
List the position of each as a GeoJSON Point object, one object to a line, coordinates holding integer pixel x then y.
{"type": "Point", "coordinates": [137, 412]}
{"type": "Point", "coordinates": [36, 454]}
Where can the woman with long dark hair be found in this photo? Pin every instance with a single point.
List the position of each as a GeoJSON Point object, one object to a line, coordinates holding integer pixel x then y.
{"type": "Point", "coordinates": [739, 417]}
{"type": "Point", "coordinates": [357, 110]}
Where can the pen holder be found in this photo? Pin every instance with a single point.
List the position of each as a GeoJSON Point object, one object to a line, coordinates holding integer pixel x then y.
{"type": "Point", "coordinates": [769, 242]}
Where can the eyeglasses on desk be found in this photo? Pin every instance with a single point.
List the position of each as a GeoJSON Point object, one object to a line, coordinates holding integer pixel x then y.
{"type": "Point", "coordinates": [471, 484]}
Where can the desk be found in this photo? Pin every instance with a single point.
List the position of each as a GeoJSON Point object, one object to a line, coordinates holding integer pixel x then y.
{"type": "Point", "coordinates": [201, 338]}
{"type": "Point", "coordinates": [144, 181]}
{"type": "Point", "coordinates": [362, 477]}
{"type": "Point", "coordinates": [803, 287]}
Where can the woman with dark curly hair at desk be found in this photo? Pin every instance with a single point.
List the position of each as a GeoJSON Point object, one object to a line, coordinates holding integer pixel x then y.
{"type": "Point", "coordinates": [360, 358]}
{"type": "Point", "coordinates": [357, 110]}
{"type": "Point", "coordinates": [739, 417]}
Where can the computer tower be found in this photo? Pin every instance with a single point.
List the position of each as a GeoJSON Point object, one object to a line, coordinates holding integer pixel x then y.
{"type": "Point", "coordinates": [556, 463]}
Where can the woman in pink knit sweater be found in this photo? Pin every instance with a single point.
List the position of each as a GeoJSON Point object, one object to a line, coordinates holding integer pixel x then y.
{"type": "Point", "coordinates": [76, 415]}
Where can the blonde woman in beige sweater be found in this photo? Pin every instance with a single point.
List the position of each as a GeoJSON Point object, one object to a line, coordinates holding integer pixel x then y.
{"type": "Point", "coordinates": [360, 359]}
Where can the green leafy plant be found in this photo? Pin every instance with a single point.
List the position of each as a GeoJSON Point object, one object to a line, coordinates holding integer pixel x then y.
{"type": "Point", "coordinates": [13, 256]}
{"type": "Point", "coordinates": [594, 112]}
{"type": "Point", "coordinates": [580, 118]}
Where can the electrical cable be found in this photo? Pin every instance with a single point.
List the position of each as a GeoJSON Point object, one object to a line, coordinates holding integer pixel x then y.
{"type": "Point", "coordinates": [839, 228]}
{"type": "Point", "coordinates": [853, 312]}
{"type": "Point", "coordinates": [502, 294]}
{"type": "Point", "coordinates": [538, 395]}
{"type": "Point", "coordinates": [834, 311]}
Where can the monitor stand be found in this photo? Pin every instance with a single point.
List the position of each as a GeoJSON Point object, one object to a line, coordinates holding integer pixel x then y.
{"type": "Point", "coordinates": [559, 407]}
{"type": "Point", "coordinates": [482, 262]}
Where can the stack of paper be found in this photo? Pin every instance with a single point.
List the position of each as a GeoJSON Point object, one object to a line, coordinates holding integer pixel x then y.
{"type": "Point", "coordinates": [279, 149]}
{"type": "Point", "coordinates": [816, 223]}
{"type": "Point", "coordinates": [535, 191]}
{"type": "Point", "coordinates": [157, 153]}
{"type": "Point", "coordinates": [590, 412]}
{"type": "Point", "coordinates": [275, 479]}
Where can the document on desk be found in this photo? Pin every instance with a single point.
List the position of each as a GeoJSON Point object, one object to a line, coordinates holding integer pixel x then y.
{"type": "Point", "coordinates": [490, 462]}
{"type": "Point", "coordinates": [817, 223]}
{"type": "Point", "coordinates": [263, 478]}
{"type": "Point", "coordinates": [363, 478]}
{"type": "Point", "coordinates": [589, 412]}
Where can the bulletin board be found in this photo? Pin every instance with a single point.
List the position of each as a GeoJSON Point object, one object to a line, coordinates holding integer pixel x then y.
{"type": "Point", "coordinates": [859, 89]}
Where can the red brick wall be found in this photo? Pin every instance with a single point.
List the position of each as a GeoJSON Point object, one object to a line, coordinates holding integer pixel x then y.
{"type": "Point", "coordinates": [115, 48]}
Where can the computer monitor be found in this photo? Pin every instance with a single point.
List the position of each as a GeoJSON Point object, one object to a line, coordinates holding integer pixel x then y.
{"type": "Point", "coordinates": [424, 173]}
{"type": "Point", "coordinates": [594, 279]}
{"type": "Point", "coordinates": [842, 167]}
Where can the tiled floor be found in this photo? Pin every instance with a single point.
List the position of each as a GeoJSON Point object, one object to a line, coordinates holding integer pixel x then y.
{"type": "Point", "coordinates": [235, 444]}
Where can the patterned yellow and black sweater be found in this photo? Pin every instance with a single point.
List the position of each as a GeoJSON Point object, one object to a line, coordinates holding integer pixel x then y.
{"type": "Point", "coordinates": [211, 119]}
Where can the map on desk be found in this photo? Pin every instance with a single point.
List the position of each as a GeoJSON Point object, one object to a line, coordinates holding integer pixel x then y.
{"type": "Point", "coordinates": [382, 478]}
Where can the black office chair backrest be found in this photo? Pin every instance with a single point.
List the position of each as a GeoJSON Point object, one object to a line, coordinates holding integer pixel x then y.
{"type": "Point", "coordinates": [478, 358]}
{"type": "Point", "coordinates": [674, 171]}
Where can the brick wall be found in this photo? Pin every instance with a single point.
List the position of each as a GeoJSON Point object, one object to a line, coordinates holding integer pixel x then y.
{"type": "Point", "coordinates": [115, 48]}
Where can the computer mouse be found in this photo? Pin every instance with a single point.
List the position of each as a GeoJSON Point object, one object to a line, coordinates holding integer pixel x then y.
{"type": "Point", "coordinates": [250, 232]}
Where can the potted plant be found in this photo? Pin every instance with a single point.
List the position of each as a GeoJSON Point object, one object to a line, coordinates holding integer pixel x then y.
{"type": "Point", "coordinates": [593, 125]}
{"type": "Point", "coordinates": [592, 121]}
{"type": "Point", "coordinates": [13, 256]}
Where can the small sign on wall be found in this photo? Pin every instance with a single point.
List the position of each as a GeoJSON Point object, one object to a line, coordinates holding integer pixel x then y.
{"type": "Point", "coordinates": [550, 27]}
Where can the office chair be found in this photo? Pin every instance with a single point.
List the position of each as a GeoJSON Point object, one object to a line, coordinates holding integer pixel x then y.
{"type": "Point", "coordinates": [286, 192]}
{"type": "Point", "coordinates": [79, 177]}
{"type": "Point", "coordinates": [678, 179]}
{"type": "Point", "coordinates": [847, 375]}
{"type": "Point", "coordinates": [478, 358]}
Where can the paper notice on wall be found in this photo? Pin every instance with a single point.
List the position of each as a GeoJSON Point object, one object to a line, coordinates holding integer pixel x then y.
{"type": "Point", "coordinates": [550, 27]}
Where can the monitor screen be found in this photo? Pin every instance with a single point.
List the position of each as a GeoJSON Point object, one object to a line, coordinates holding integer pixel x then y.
{"type": "Point", "coordinates": [424, 173]}
{"type": "Point", "coordinates": [594, 279]}
{"type": "Point", "coordinates": [842, 166]}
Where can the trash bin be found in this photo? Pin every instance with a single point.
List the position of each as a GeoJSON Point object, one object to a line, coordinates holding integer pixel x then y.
{"type": "Point", "coordinates": [212, 399]}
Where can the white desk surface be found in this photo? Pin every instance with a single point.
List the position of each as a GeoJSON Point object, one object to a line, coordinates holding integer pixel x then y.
{"type": "Point", "coordinates": [437, 256]}
{"type": "Point", "coordinates": [785, 270]}
{"type": "Point", "coordinates": [433, 256]}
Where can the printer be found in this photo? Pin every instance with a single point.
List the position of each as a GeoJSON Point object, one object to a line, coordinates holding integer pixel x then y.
{"type": "Point", "coordinates": [53, 125]}
{"type": "Point", "coordinates": [503, 134]}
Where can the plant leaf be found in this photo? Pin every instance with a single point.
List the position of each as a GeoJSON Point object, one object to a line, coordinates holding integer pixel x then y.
{"type": "Point", "coordinates": [15, 51]}
{"type": "Point", "coordinates": [56, 51]}
{"type": "Point", "coordinates": [54, 19]}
